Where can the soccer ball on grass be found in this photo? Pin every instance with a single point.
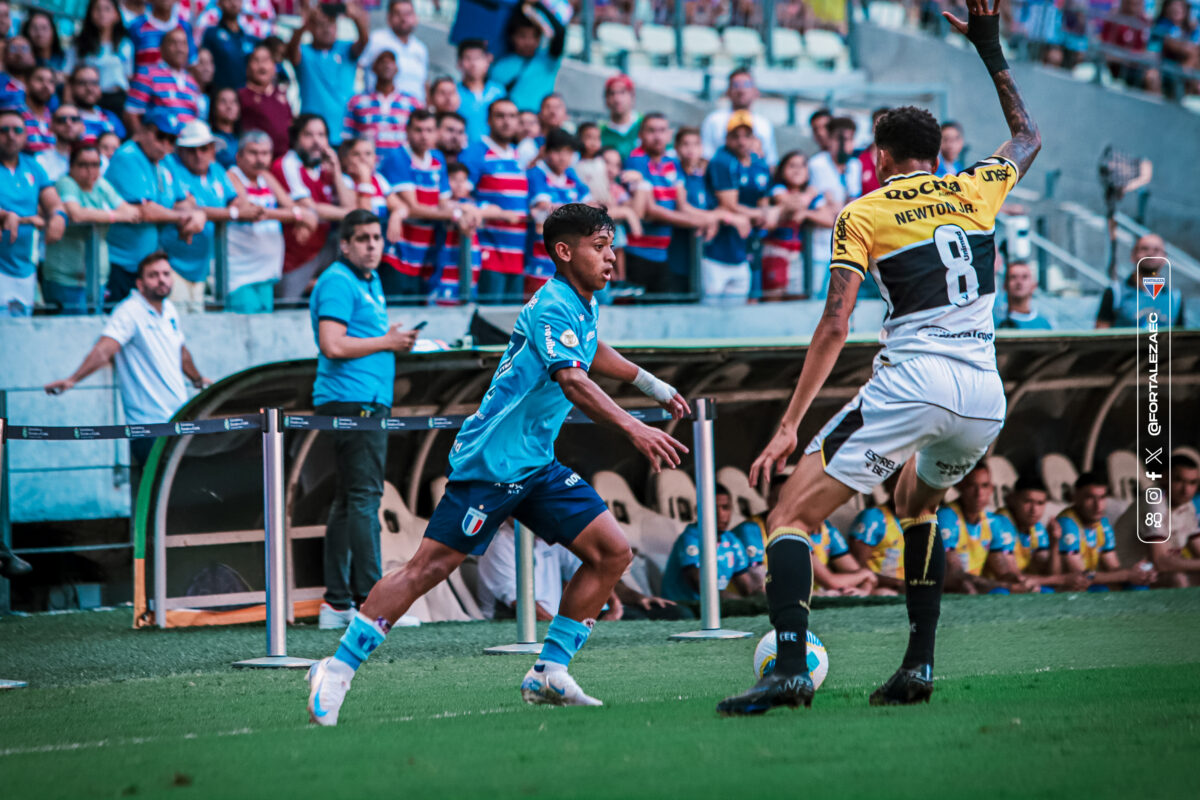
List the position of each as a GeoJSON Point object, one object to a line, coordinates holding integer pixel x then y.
{"type": "Point", "coordinates": [818, 659]}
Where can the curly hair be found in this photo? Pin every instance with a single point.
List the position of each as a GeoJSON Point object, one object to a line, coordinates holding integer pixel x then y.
{"type": "Point", "coordinates": [909, 132]}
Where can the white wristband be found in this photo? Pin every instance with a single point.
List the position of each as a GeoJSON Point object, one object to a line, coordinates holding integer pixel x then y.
{"type": "Point", "coordinates": [653, 387]}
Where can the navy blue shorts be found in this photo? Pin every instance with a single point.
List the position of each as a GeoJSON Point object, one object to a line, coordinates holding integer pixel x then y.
{"type": "Point", "coordinates": [555, 503]}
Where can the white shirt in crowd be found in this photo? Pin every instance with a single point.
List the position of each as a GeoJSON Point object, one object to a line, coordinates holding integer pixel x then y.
{"type": "Point", "coordinates": [53, 163]}
{"type": "Point", "coordinates": [255, 250]}
{"type": "Point", "coordinates": [412, 61]}
{"type": "Point", "coordinates": [714, 128]}
{"type": "Point", "coordinates": [150, 362]}
{"type": "Point", "coordinates": [553, 566]}
{"type": "Point", "coordinates": [839, 188]}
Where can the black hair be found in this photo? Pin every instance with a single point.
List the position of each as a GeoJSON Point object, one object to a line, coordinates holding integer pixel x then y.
{"type": "Point", "coordinates": [80, 67]}
{"type": "Point", "coordinates": [585, 126]}
{"type": "Point", "coordinates": [686, 130]}
{"type": "Point", "coordinates": [1029, 481]}
{"type": "Point", "coordinates": [348, 144]}
{"type": "Point", "coordinates": [355, 220]}
{"type": "Point", "coordinates": [816, 115]}
{"type": "Point", "coordinates": [80, 148]}
{"type": "Point", "coordinates": [574, 221]}
{"type": "Point", "coordinates": [879, 112]}
{"type": "Point", "coordinates": [498, 101]}
{"type": "Point", "coordinates": [551, 96]}
{"type": "Point", "coordinates": [471, 44]}
{"type": "Point", "coordinates": [653, 115]}
{"type": "Point", "coordinates": [1091, 478]}
{"type": "Point", "coordinates": [152, 258]}
{"type": "Point", "coordinates": [952, 124]}
{"type": "Point", "coordinates": [16, 111]}
{"type": "Point", "coordinates": [420, 115]}
{"type": "Point", "coordinates": [782, 165]}
{"type": "Point", "coordinates": [442, 115]}
{"type": "Point", "coordinates": [56, 48]}
{"type": "Point", "coordinates": [438, 81]}
{"type": "Point", "coordinates": [457, 167]}
{"type": "Point", "coordinates": [558, 139]}
{"type": "Point", "coordinates": [300, 123]}
{"type": "Point", "coordinates": [908, 133]}
{"type": "Point", "coordinates": [88, 41]}
{"type": "Point", "coordinates": [1183, 461]}
{"type": "Point", "coordinates": [393, 3]}
{"type": "Point", "coordinates": [518, 21]}
{"type": "Point", "coordinates": [722, 490]}
{"type": "Point", "coordinates": [842, 123]}
{"type": "Point", "coordinates": [740, 71]}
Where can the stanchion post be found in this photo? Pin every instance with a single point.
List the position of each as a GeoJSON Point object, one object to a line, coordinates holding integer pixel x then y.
{"type": "Point", "coordinates": [466, 275]}
{"type": "Point", "coordinates": [5, 528]}
{"type": "Point", "coordinates": [276, 549]}
{"type": "Point", "coordinates": [706, 503]}
{"type": "Point", "coordinates": [527, 642]}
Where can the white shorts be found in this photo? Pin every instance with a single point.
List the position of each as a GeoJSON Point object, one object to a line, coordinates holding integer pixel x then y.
{"type": "Point", "coordinates": [17, 295]}
{"type": "Point", "coordinates": [948, 412]}
{"type": "Point", "coordinates": [724, 284]}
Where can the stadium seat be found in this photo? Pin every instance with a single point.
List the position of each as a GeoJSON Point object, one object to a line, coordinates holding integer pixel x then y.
{"type": "Point", "coordinates": [746, 501]}
{"type": "Point", "coordinates": [743, 45]}
{"type": "Point", "coordinates": [700, 45]}
{"type": "Point", "coordinates": [826, 49]}
{"type": "Point", "coordinates": [1003, 478]}
{"type": "Point", "coordinates": [574, 47]}
{"type": "Point", "coordinates": [401, 534]}
{"type": "Point", "coordinates": [1059, 474]}
{"type": "Point", "coordinates": [616, 39]}
{"type": "Point", "coordinates": [1122, 474]}
{"type": "Point", "coordinates": [658, 42]}
{"type": "Point", "coordinates": [887, 15]}
{"type": "Point", "coordinates": [675, 495]}
{"type": "Point", "coordinates": [650, 533]}
{"type": "Point", "coordinates": [787, 47]}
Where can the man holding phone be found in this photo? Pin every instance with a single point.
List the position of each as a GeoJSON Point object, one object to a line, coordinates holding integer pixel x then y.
{"type": "Point", "coordinates": [356, 370]}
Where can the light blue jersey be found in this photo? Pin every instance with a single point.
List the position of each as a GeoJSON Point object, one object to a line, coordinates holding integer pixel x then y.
{"type": "Point", "coordinates": [512, 434]}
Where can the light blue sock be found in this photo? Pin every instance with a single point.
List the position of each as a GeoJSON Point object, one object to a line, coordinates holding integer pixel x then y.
{"type": "Point", "coordinates": [360, 639]}
{"type": "Point", "coordinates": [563, 641]}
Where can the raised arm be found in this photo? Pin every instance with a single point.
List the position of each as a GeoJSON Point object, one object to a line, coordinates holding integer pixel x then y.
{"type": "Point", "coordinates": [983, 29]}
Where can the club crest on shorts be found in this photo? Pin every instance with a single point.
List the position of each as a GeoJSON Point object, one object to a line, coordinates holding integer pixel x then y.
{"type": "Point", "coordinates": [473, 522]}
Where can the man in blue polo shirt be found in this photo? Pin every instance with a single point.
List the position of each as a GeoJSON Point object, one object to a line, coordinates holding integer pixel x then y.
{"type": "Point", "coordinates": [29, 208]}
{"type": "Point", "coordinates": [230, 46]}
{"type": "Point", "coordinates": [356, 368]}
{"type": "Point", "coordinates": [139, 174]}
{"type": "Point", "coordinates": [739, 180]}
{"type": "Point", "coordinates": [325, 67]}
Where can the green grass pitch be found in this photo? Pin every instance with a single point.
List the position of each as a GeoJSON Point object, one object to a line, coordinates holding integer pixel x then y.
{"type": "Point", "coordinates": [1064, 696]}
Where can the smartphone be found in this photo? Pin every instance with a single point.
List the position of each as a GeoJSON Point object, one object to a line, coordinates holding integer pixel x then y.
{"type": "Point", "coordinates": [333, 9]}
{"type": "Point", "coordinates": [420, 325]}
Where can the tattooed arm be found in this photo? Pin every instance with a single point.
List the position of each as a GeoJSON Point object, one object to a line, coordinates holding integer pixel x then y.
{"type": "Point", "coordinates": [982, 28]}
{"type": "Point", "coordinates": [823, 352]}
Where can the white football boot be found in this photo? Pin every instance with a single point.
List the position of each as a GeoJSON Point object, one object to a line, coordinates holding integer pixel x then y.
{"type": "Point", "coordinates": [554, 687]}
{"type": "Point", "coordinates": [330, 680]}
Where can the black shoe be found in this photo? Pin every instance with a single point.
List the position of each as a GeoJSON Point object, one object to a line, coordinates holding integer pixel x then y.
{"type": "Point", "coordinates": [906, 687]}
{"type": "Point", "coordinates": [771, 691]}
{"type": "Point", "coordinates": [14, 567]}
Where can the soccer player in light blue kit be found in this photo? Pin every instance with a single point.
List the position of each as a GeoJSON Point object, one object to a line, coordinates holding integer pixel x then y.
{"type": "Point", "coordinates": [502, 464]}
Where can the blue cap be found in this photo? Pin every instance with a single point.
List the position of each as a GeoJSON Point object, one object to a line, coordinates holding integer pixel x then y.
{"type": "Point", "coordinates": [164, 119]}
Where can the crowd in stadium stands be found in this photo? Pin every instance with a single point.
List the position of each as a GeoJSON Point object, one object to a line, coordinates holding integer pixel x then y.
{"type": "Point", "coordinates": [1152, 45]}
{"type": "Point", "coordinates": [202, 118]}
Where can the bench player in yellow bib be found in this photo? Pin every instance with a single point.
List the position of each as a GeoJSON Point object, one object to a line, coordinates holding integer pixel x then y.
{"type": "Point", "coordinates": [928, 243]}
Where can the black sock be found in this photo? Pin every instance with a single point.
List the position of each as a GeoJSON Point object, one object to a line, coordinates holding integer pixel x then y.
{"type": "Point", "coordinates": [789, 589]}
{"type": "Point", "coordinates": [924, 574]}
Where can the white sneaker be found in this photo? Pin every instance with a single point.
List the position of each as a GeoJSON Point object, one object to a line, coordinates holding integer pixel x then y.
{"type": "Point", "coordinates": [554, 687]}
{"type": "Point", "coordinates": [330, 619]}
{"type": "Point", "coordinates": [330, 680]}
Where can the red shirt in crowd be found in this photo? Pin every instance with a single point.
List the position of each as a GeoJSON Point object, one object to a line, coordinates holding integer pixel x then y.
{"type": "Point", "coordinates": [268, 112]}
{"type": "Point", "coordinates": [301, 183]}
